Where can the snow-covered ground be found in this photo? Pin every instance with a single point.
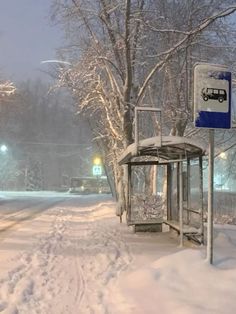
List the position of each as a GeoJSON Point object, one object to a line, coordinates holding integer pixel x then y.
{"type": "Point", "coordinates": [75, 257]}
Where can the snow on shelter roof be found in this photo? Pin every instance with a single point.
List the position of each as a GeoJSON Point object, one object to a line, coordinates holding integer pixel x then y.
{"type": "Point", "coordinates": [169, 148]}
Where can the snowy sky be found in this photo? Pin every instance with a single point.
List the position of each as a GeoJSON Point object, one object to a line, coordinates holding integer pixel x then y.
{"type": "Point", "coordinates": [26, 38]}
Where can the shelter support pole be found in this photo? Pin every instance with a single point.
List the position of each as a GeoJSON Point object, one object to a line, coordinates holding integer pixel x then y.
{"type": "Point", "coordinates": [136, 131]}
{"type": "Point", "coordinates": [188, 194]}
{"type": "Point", "coordinates": [177, 185]}
{"type": "Point", "coordinates": [181, 225]}
{"type": "Point", "coordinates": [129, 192]}
{"type": "Point", "coordinates": [201, 198]}
{"type": "Point", "coordinates": [169, 191]}
{"type": "Point", "coordinates": [154, 181]}
{"type": "Point", "coordinates": [210, 198]}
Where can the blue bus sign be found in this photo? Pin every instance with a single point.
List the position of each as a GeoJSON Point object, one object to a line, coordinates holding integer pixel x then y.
{"type": "Point", "coordinates": [212, 96]}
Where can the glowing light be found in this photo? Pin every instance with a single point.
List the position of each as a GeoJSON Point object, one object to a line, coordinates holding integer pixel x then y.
{"type": "Point", "coordinates": [223, 155]}
{"type": "Point", "coordinates": [3, 148]}
{"type": "Point", "coordinates": [97, 161]}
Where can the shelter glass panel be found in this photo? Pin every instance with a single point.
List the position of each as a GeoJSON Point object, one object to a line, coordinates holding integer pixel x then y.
{"type": "Point", "coordinates": [146, 198]}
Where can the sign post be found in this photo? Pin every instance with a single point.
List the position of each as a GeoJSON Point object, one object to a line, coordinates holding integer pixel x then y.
{"type": "Point", "coordinates": [210, 197]}
{"type": "Point", "coordinates": [212, 110]}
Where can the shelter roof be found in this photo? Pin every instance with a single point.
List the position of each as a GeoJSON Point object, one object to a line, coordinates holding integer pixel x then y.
{"type": "Point", "coordinates": [166, 148]}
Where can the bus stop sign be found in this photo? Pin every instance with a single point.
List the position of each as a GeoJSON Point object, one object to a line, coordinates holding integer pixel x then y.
{"type": "Point", "coordinates": [212, 96]}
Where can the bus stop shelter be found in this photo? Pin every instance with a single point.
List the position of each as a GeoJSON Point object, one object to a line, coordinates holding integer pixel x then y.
{"type": "Point", "coordinates": [181, 206]}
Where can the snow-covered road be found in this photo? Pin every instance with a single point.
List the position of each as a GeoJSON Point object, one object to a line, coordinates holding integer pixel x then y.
{"type": "Point", "coordinates": [65, 260]}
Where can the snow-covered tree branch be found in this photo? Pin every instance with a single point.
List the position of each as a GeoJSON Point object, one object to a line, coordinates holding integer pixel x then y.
{"type": "Point", "coordinates": [126, 53]}
{"type": "Point", "coordinates": [7, 88]}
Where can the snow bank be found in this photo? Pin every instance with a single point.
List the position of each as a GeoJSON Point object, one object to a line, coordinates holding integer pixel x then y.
{"type": "Point", "coordinates": [183, 283]}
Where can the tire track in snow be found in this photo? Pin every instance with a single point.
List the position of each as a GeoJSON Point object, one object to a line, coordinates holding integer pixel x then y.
{"type": "Point", "coordinates": [81, 286]}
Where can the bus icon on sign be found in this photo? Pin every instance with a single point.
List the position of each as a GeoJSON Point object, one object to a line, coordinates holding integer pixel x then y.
{"type": "Point", "coordinates": [214, 93]}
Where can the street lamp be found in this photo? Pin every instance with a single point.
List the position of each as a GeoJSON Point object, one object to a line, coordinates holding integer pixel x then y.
{"type": "Point", "coordinates": [97, 161]}
{"type": "Point", "coordinates": [3, 148]}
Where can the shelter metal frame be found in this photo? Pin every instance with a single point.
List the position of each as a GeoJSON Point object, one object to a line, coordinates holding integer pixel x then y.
{"type": "Point", "coordinates": [169, 151]}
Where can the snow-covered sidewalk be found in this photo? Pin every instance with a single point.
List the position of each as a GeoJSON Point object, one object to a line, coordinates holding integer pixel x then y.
{"type": "Point", "coordinates": [80, 259]}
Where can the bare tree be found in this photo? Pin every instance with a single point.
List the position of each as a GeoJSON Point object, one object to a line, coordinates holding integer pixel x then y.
{"type": "Point", "coordinates": [127, 52]}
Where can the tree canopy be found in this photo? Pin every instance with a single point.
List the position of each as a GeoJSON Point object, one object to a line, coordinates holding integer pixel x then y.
{"type": "Point", "coordinates": [125, 53]}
